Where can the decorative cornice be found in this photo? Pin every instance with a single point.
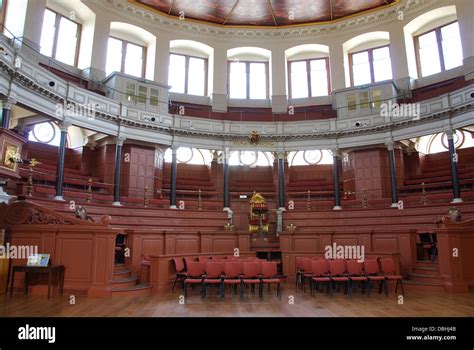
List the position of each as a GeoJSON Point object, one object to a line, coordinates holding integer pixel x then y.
{"type": "Point", "coordinates": [162, 22]}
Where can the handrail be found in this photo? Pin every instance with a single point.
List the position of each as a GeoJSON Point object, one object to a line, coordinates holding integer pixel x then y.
{"type": "Point", "coordinates": [69, 178]}
{"type": "Point", "coordinates": [100, 83]}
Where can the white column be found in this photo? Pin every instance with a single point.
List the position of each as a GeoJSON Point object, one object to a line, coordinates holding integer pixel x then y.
{"type": "Point", "coordinates": [99, 47]}
{"type": "Point", "coordinates": [34, 23]}
{"type": "Point", "coordinates": [465, 14]}
{"type": "Point", "coordinates": [278, 81]}
{"type": "Point", "coordinates": [336, 63]}
{"type": "Point", "coordinates": [398, 52]}
{"type": "Point", "coordinates": [162, 58]}
{"type": "Point", "coordinates": [219, 79]}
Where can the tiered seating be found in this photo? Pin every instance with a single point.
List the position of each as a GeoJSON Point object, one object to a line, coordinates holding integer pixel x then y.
{"type": "Point", "coordinates": [76, 183]}
{"type": "Point", "coordinates": [423, 218]}
{"type": "Point", "coordinates": [169, 220]}
{"type": "Point", "coordinates": [246, 180]}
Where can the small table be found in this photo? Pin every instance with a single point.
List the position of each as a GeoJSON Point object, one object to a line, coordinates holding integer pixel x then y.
{"type": "Point", "coordinates": [56, 271]}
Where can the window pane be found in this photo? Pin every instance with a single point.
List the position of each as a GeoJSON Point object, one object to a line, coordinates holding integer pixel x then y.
{"type": "Point", "coordinates": [429, 55]}
{"type": "Point", "coordinates": [196, 76]}
{"type": "Point", "coordinates": [47, 33]}
{"type": "Point", "coordinates": [130, 92]}
{"type": "Point", "coordinates": [134, 60]}
{"type": "Point", "coordinates": [361, 68]}
{"type": "Point", "coordinates": [376, 98]}
{"type": "Point", "coordinates": [351, 102]}
{"type": "Point", "coordinates": [452, 49]}
{"type": "Point", "coordinates": [114, 56]}
{"type": "Point", "coordinates": [364, 100]}
{"type": "Point", "coordinates": [299, 80]}
{"type": "Point", "coordinates": [177, 71]}
{"type": "Point", "coordinates": [258, 81]}
{"type": "Point", "coordinates": [154, 97]}
{"type": "Point", "coordinates": [142, 92]}
{"type": "Point", "coordinates": [238, 80]}
{"type": "Point", "coordinates": [382, 64]}
{"type": "Point", "coordinates": [319, 78]}
{"type": "Point", "coordinates": [67, 41]}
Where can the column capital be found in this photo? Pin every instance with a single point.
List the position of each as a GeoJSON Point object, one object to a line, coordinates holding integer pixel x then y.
{"type": "Point", "coordinates": [8, 103]}
{"type": "Point", "coordinates": [120, 139]}
{"type": "Point", "coordinates": [389, 144]}
{"type": "Point", "coordinates": [336, 152]}
{"type": "Point", "coordinates": [280, 155]}
{"type": "Point", "coordinates": [449, 133]}
{"type": "Point", "coordinates": [64, 125]}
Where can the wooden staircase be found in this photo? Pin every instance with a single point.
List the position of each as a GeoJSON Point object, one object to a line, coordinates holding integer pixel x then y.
{"type": "Point", "coordinates": [124, 284]}
{"type": "Point", "coordinates": [425, 277]}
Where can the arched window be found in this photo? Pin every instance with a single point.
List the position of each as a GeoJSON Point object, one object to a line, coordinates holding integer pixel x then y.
{"type": "Point", "coordinates": [368, 58]}
{"type": "Point", "coordinates": [127, 50]}
{"type": "Point", "coordinates": [60, 37]}
{"type": "Point", "coordinates": [189, 67]}
{"type": "Point", "coordinates": [309, 157]}
{"type": "Point", "coordinates": [433, 42]}
{"type": "Point", "coordinates": [248, 73]}
{"type": "Point", "coordinates": [308, 71]}
{"type": "Point", "coordinates": [463, 138]}
{"type": "Point", "coordinates": [188, 155]}
{"type": "Point", "coordinates": [250, 158]}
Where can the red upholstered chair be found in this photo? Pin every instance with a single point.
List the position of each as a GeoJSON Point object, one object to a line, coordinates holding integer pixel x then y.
{"type": "Point", "coordinates": [299, 271]}
{"type": "Point", "coordinates": [232, 275]}
{"type": "Point", "coordinates": [269, 276]}
{"type": "Point", "coordinates": [389, 271]}
{"type": "Point", "coordinates": [188, 259]}
{"type": "Point", "coordinates": [307, 274]}
{"type": "Point", "coordinates": [355, 274]}
{"type": "Point", "coordinates": [194, 276]}
{"type": "Point", "coordinates": [180, 269]}
{"type": "Point", "coordinates": [320, 272]}
{"type": "Point", "coordinates": [372, 271]}
{"type": "Point", "coordinates": [251, 277]}
{"type": "Point", "coordinates": [212, 275]}
{"type": "Point", "coordinates": [337, 272]}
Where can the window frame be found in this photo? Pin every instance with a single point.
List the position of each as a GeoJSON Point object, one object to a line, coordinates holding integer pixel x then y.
{"type": "Point", "coordinates": [308, 76]}
{"type": "Point", "coordinates": [3, 13]}
{"type": "Point", "coordinates": [56, 35]}
{"type": "Point", "coordinates": [124, 54]}
{"type": "Point", "coordinates": [186, 71]}
{"type": "Point", "coordinates": [247, 77]}
{"type": "Point", "coordinates": [439, 42]}
{"type": "Point", "coordinates": [371, 62]}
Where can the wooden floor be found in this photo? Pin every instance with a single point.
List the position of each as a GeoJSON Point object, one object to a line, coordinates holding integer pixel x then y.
{"type": "Point", "coordinates": [378, 305]}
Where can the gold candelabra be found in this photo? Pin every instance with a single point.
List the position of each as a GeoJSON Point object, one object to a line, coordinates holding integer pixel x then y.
{"type": "Point", "coordinates": [29, 184]}
{"type": "Point", "coordinates": [308, 200]}
{"type": "Point", "coordinates": [424, 200]}
{"type": "Point", "coordinates": [364, 198]}
{"type": "Point", "coordinates": [145, 197]}
{"type": "Point", "coordinates": [89, 191]}
{"type": "Point", "coordinates": [199, 200]}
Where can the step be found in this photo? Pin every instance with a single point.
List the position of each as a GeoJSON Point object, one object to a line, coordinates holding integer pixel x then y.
{"type": "Point", "coordinates": [427, 263]}
{"type": "Point", "coordinates": [119, 267]}
{"type": "Point", "coordinates": [122, 274]}
{"type": "Point", "coordinates": [125, 282]}
{"type": "Point", "coordinates": [417, 277]}
{"type": "Point", "coordinates": [423, 286]}
{"type": "Point", "coordinates": [135, 291]}
{"type": "Point", "coordinates": [426, 271]}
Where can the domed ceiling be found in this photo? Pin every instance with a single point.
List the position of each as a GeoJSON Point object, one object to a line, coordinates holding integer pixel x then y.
{"type": "Point", "coordinates": [263, 13]}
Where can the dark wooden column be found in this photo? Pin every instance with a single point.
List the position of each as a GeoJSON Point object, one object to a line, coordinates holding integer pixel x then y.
{"type": "Point", "coordinates": [63, 126]}
{"type": "Point", "coordinates": [174, 170]}
{"type": "Point", "coordinates": [393, 175]}
{"type": "Point", "coordinates": [281, 179]}
{"type": "Point", "coordinates": [453, 160]}
{"type": "Point", "coordinates": [335, 175]}
{"type": "Point", "coordinates": [118, 169]}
